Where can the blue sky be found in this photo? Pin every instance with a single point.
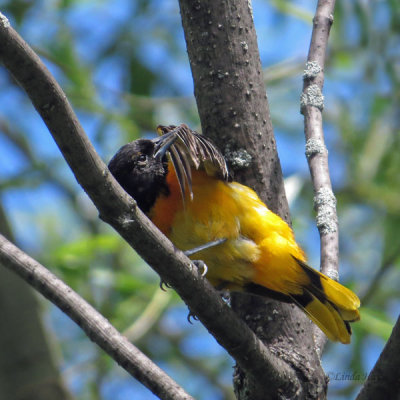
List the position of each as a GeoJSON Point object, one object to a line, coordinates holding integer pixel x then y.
{"type": "Point", "coordinates": [280, 38]}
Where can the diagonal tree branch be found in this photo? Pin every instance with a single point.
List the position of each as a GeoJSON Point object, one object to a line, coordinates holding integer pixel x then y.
{"type": "Point", "coordinates": [121, 211]}
{"type": "Point", "coordinates": [383, 381]}
{"type": "Point", "coordinates": [312, 103]}
{"type": "Point", "coordinates": [93, 323]}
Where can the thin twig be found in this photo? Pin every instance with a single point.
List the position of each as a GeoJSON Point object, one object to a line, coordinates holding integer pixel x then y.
{"type": "Point", "coordinates": [312, 103]}
{"type": "Point", "coordinates": [120, 210]}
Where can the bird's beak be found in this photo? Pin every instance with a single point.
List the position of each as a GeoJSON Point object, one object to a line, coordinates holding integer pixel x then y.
{"type": "Point", "coordinates": [163, 143]}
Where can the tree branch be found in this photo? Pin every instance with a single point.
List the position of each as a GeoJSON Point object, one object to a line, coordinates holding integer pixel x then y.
{"type": "Point", "coordinates": [312, 103]}
{"type": "Point", "coordinates": [121, 211]}
{"type": "Point", "coordinates": [383, 381]}
{"type": "Point", "coordinates": [98, 329]}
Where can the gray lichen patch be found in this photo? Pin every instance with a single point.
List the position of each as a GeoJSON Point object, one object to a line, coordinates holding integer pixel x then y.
{"type": "Point", "coordinates": [314, 146]}
{"type": "Point", "coordinates": [312, 70]}
{"type": "Point", "coordinates": [326, 223]}
{"type": "Point", "coordinates": [324, 196]}
{"type": "Point", "coordinates": [237, 159]}
{"type": "Point", "coordinates": [325, 205]}
{"type": "Point", "coordinates": [312, 97]}
{"type": "Point", "coordinates": [4, 21]}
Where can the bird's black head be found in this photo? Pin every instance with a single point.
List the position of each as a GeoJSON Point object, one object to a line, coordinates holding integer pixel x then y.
{"type": "Point", "coordinates": [141, 169]}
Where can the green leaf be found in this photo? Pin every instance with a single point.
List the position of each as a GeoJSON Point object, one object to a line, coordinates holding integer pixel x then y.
{"type": "Point", "coordinates": [86, 247]}
{"type": "Point", "coordinates": [375, 322]}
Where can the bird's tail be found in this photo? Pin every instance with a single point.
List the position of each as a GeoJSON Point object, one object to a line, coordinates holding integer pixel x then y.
{"type": "Point", "coordinates": [328, 304]}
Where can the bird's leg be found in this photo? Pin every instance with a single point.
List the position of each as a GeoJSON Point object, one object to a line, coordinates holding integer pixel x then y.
{"type": "Point", "coordinates": [205, 246]}
{"type": "Point", "coordinates": [199, 264]}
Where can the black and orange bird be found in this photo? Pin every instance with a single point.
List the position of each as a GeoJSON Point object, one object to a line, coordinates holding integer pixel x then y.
{"type": "Point", "coordinates": [181, 181]}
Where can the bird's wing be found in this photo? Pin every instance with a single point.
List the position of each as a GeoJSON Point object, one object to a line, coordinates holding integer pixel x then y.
{"type": "Point", "coordinates": [193, 150]}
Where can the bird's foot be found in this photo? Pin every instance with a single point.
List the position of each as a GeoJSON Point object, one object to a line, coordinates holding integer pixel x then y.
{"type": "Point", "coordinates": [164, 285]}
{"type": "Point", "coordinates": [201, 267]}
{"type": "Point", "coordinates": [191, 316]}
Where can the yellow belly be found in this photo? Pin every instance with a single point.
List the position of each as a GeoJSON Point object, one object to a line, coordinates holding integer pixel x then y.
{"type": "Point", "coordinates": [259, 244]}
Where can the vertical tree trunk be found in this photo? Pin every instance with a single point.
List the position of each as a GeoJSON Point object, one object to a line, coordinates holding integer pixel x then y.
{"type": "Point", "coordinates": [27, 366]}
{"type": "Point", "coordinates": [233, 107]}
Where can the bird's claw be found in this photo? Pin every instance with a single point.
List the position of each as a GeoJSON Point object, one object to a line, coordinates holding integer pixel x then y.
{"type": "Point", "coordinates": [201, 267]}
{"type": "Point", "coordinates": [192, 315]}
{"type": "Point", "coordinates": [164, 285]}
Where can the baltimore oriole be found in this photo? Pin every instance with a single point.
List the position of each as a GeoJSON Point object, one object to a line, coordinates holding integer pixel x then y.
{"type": "Point", "coordinates": [180, 180]}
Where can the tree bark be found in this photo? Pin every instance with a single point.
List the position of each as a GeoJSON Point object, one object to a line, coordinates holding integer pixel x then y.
{"type": "Point", "coordinates": [233, 107]}
{"type": "Point", "coordinates": [384, 380]}
{"type": "Point", "coordinates": [27, 362]}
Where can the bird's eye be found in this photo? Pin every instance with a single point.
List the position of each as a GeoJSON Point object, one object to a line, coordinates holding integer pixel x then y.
{"type": "Point", "coordinates": [142, 158]}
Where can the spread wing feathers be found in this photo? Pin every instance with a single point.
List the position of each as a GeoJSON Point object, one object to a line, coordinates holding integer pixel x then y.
{"type": "Point", "coordinates": [328, 304]}
{"type": "Point", "coordinates": [182, 169]}
{"type": "Point", "coordinates": [191, 149]}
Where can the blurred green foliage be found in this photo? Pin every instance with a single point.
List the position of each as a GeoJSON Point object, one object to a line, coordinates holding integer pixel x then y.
{"type": "Point", "coordinates": [124, 68]}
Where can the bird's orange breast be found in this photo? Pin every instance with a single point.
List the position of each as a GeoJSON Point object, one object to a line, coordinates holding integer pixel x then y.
{"type": "Point", "coordinates": [211, 202]}
{"type": "Point", "coordinates": [167, 205]}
